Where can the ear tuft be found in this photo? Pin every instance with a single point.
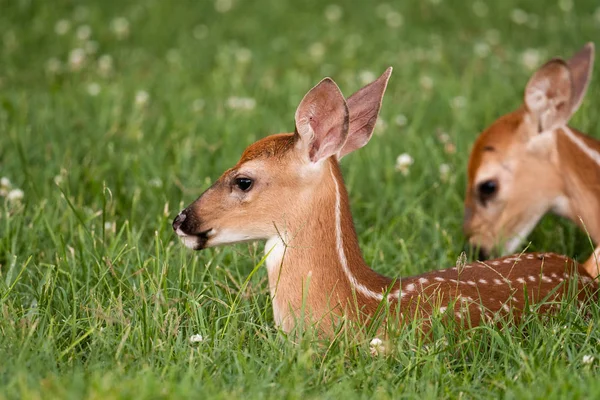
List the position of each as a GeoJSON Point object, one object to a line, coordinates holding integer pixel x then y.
{"type": "Point", "coordinates": [364, 106]}
{"type": "Point", "coordinates": [322, 120]}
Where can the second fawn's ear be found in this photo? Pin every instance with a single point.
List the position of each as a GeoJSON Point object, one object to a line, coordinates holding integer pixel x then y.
{"type": "Point", "coordinates": [322, 120]}
{"type": "Point", "coordinates": [363, 107]}
{"type": "Point", "coordinates": [556, 90]}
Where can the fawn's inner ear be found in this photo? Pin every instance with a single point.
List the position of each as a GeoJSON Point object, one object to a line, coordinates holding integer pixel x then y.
{"type": "Point", "coordinates": [322, 120]}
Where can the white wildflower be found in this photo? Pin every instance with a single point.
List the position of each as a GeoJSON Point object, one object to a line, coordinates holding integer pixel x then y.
{"type": "Point", "coordinates": [480, 9]}
{"type": "Point", "coordinates": [376, 347]}
{"type": "Point", "coordinates": [155, 182]}
{"type": "Point", "coordinates": [198, 105]}
{"type": "Point", "coordinates": [317, 50]}
{"type": "Point", "coordinates": [243, 55]}
{"type": "Point", "coordinates": [241, 103]}
{"type": "Point", "coordinates": [200, 32]}
{"type": "Point", "coordinates": [403, 163]}
{"type": "Point", "coordinates": [53, 66]}
{"type": "Point", "coordinates": [84, 32]}
{"type": "Point", "coordinates": [223, 6]}
{"type": "Point", "coordinates": [443, 137]}
{"type": "Point", "coordinates": [141, 98]}
{"type": "Point", "coordinates": [445, 172]}
{"type": "Point", "coordinates": [196, 338]}
{"type": "Point", "coordinates": [15, 195]}
{"type": "Point", "coordinates": [587, 359]}
{"type": "Point", "coordinates": [401, 120]}
{"type": "Point", "coordinates": [5, 182]}
{"type": "Point", "coordinates": [62, 27]}
{"type": "Point", "coordinates": [120, 27]}
{"type": "Point", "coordinates": [76, 59]}
{"type": "Point", "coordinates": [394, 19]}
{"type": "Point", "coordinates": [333, 13]}
{"type": "Point", "coordinates": [530, 58]}
{"type": "Point", "coordinates": [565, 5]}
{"type": "Point", "coordinates": [458, 102]}
{"type": "Point", "coordinates": [426, 82]}
{"type": "Point", "coordinates": [481, 49]}
{"type": "Point", "coordinates": [105, 64]}
{"type": "Point", "coordinates": [93, 89]}
{"type": "Point", "coordinates": [110, 226]}
{"type": "Point", "coordinates": [519, 16]}
{"type": "Point", "coordinates": [366, 77]}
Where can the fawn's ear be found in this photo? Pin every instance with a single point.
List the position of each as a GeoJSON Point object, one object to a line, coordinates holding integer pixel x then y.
{"type": "Point", "coordinates": [322, 121]}
{"type": "Point", "coordinates": [556, 90]}
{"type": "Point", "coordinates": [364, 108]}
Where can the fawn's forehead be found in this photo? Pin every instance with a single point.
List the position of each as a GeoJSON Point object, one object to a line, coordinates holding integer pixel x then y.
{"type": "Point", "coordinates": [495, 140]}
{"type": "Point", "coordinates": [268, 147]}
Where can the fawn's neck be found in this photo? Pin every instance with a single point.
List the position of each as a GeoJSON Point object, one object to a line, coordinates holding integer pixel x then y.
{"type": "Point", "coordinates": [579, 161]}
{"type": "Point", "coordinates": [315, 265]}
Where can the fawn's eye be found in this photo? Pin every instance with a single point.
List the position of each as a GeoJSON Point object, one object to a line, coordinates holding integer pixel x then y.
{"type": "Point", "coordinates": [244, 184]}
{"type": "Point", "coordinates": [487, 190]}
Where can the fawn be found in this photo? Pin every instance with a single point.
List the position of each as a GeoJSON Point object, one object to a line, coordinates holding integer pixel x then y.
{"type": "Point", "coordinates": [288, 189]}
{"type": "Point", "coordinates": [529, 162]}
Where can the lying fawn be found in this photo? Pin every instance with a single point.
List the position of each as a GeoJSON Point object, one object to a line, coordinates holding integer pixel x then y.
{"type": "Point", "coordinates": [529, 162]}
{"type": "Point", "coordinates": [288, 189]}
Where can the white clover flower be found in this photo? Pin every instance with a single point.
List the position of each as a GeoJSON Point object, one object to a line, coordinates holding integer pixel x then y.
{"type": "Point", "coordinates": [198, 105]}
{"type": "Point", "coordinates": [15, 195]}
{"type": "Point", "coordinates": [109, 226]}
{"type": "Point", "coordinates": [84, 32]}
{"type": "Point", "coordinates": [120, 27]}
{"type": "Point", "coordinates": [243, 55]}
{"type": "Point", "coordinates": [62, 27]}
{"type": "Point", "coordinates": [530, 58]}
{"type": "Point", "coordinates": [241, 103]}
{"type": "Point", "coordinates": [58, 179]}
{"type": "Point", "coordinates": [481, 49]}
{"type": "Point", "coordinates": [403, 163]}
{"type": "Point", "coordinates": [394, 19]}
{"type": "Point", "coordinates": [105, 64]}
{"type": "Point", "coordinates": [480, 9]}
{"type": "Point", "coordinates": [445, 172]}
{"type": "Point", "coordinates": [401, 120]}
{"type": "Point", "coordinates": [76, 59]}
{"type": "Point", "coordinates": [376, 347]}
{"type": "Point", "coordinates": [5, 182]}
{"type": "Point", "coordinates": [333, 13]}
{"type": "Point", "coordinates": [426, 82]}
{"type": "Point", "coordinates": [458, 102]}
{"type": "Point", "coordinates": [196, 338]}
{"type": "Point", "coordinates": [53, 66]}
{"type": "Point", "coordinates": [93, 89]}
{"type": "Point", "coordinates": [317, 50]}
{"type": "Point", "coordinates": [200, 32]}
{"type": "Point", "coordinates": [519, 16]}
{"type": "Point", "coordinates": [223, 6]}
{"type": "Point", "coordinates": [587, 359]}
{"type": "Point", "coordinates": [366, 77]}
{"type": "Point", "coordinates": [565, 5]}
{"type": "Point", "coordinates": [141, 98]}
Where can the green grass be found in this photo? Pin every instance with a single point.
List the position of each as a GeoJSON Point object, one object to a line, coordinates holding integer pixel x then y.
{"type": "Point", "coordinates": [98, 299]}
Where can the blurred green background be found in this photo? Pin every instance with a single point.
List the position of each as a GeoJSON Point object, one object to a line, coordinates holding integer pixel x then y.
{"type": "Point", "coordinates": [116, 114]}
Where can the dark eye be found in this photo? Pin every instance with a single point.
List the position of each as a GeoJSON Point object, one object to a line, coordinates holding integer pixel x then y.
{"type": "Point", "coordinates": [487, 189]}
{"type": "Point", "coordinates": [244, 184]}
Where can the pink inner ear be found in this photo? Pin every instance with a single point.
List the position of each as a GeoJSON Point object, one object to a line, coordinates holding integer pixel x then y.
{"type": "Point", "coordinates": [580, 66]}
{"type": "Point", "coordinates": [322, 120]}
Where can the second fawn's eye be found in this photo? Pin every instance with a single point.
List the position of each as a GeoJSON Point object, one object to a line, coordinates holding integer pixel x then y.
{"type": "Point", "coordinates": [244, 184]}
{"type": "Point", "coordinates": [487, 189]}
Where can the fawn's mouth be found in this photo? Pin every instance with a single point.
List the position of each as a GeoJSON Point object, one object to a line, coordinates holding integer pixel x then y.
{"type": "Point", "coordinates": [196, 241]}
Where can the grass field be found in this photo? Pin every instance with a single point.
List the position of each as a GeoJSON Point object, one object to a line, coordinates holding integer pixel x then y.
{"type": "Point", "coordinates": [116, 114]}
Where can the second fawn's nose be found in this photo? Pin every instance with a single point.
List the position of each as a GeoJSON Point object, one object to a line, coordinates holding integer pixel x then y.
{"type": "Point", "coordinates": [179, 220]}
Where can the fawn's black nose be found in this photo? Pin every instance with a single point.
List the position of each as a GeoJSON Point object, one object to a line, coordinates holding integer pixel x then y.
{"type": "Point", "coordinates": [179, 220]}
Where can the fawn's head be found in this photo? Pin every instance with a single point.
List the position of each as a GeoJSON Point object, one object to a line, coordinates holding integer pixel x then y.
{"type": "Point", "coordinates": [277, 175]}
{"type": "Point", "coordinates": [513, 175]}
